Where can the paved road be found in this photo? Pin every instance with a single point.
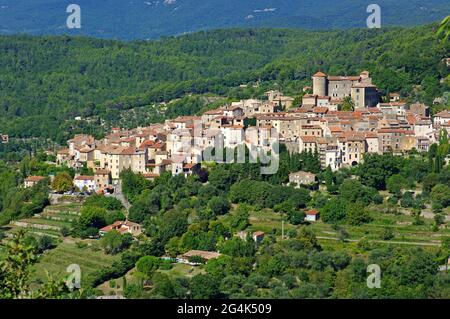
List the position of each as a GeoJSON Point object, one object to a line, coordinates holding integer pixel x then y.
{"type": "Point", "coordinates": [120, 196]}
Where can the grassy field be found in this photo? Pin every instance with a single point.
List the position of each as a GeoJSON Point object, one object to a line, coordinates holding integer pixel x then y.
{"type": "Point", "coordinates": [89, 257]}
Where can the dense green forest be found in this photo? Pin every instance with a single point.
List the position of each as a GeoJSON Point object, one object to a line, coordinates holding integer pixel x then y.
{"type": "Point", "coordinates": [45, 82]}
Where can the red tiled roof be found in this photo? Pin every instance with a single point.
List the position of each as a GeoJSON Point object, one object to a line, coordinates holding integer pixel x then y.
{"type": "Point", "coordinates": [64, 151]}
{"type": "Point", "coordinates": [320, 109]}
{"type": "Point", "coordinates": [34, 178]}
{"type": "Point", "coordinates": [102, 172]}
{"type": "Point", "coordinates": [319, 74]}
{"type": "Point", "coordinates": [343, 78]}
{"type": "Point", "coordinates": [309, 139]}
{"type": "Point", "coordinates": [84, 178]}
{"type": "Point", "coordinates": [444, 114]}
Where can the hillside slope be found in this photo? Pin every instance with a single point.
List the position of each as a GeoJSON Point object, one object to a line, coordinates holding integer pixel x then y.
{"type": "Point", "coordinates": [45, 81]}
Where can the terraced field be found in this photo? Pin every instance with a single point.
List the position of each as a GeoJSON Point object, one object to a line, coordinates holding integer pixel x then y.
{"type": "Point", "coordinates": [405, 232]}
{"type": "Point", "coordinates": [89, 256]}
{"type": "Point", "coordinates": [49, 222]}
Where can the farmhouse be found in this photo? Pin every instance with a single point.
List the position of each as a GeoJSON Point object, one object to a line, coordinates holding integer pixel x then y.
{"type": "Point", "coordinates": [123, 227]}
{"type": "Point", "coordinates": [302, 178]}
{"type": "Point", "coordinates": [32, 180]}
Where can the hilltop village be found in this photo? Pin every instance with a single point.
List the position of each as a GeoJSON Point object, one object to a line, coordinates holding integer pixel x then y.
{"type": "Point", "coordinates": [341, 138]}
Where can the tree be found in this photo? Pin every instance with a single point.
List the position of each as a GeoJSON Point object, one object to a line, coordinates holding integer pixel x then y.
{"type": "Point", "coordinates": [132, 184]}
{"type": "Point", "coordinates": [15, 271]}
{"type": "Point", "coordinates": [440, 194]}
{"type": "Point", "coordinates": [16, 268]}
{"type": "Point", "coordinates": [354, 191]}
{"type": "Point", "coordinates": [419, 269]}
{"type": "Point", "coordinates": [62, 183]}
{"type": "Point", "coordinates": [44, 243]}
{"type": "Point", "coordinates": [204, 287]}
{"type": "Point", "coordinates": [147, 265]}
{"type": "Point", "coordinates": [91, 217]}
{"type": "Point", "coordinates": [296, 217]}
{"type": "Point", "coordinates": [334, 211]}
{"type": "Point", "coordinates": [308, 238]}
{"type": "Point", "coordinates": [219, 205]}
{"type": "Point", "coordinates": [444, 29]}
{"type": "Point", "coordinates": [357, 214]}
{"type": "Point", "coordinates": [237, 247]}
{"type": "Point", "coordinates": [162, 285]}
{"type": "Point", "coordinates": [347, 104]}
{"type": "Point", "coordinates": [239, 219]}
{"type": "Point", "coordinates": [387, 234]}
{"type": "Point", "coordinates": [376, 169]}
{"type": "Point", "coordinates": [407, 200]}
{"type": "Point", "coordinates": [395, 183]}
{"type": "Point", "coordinates": [113, 242]}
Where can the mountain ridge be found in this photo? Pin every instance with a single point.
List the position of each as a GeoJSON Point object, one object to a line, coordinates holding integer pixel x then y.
{"type": "Point", "coordinates": [153, 19]}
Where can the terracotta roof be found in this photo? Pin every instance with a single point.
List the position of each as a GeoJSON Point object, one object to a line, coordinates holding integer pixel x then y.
{"type": "Point", "coordinates": [309, 139]}
{"type": "Point", "coordinates": [34, 179]}
{"type": "Point", "coordinates": [444, 114]}
{"type": "Point", "coordinates": [335, 129]}
{"type": "Point", "coordinates": [343, 78]}
{"type": "Point", "coordinates": [64, 151]}
{"type": "Point", "coordinates": [371, 135]}
{"type": "Point", "coordinates": [394, 130]}
{"type": "Point", "coordinates": [189, 165]}
{"type": "Point", "coordinates": [129, 151]}
{"type": "Point", "coordinates": [102, 172]}
{"type": "Point", "coordinates": [85, 150]}
{"type": "Point", "coordinates": [312, 212]}
{"type": "Point", "coordinates": [145, 144]}
{"type": "Point", "coordinates": [320, 109]}
{"type": "Point", "coordinates": [84, 178]}
{"type": "Point", "coordinates": [319, 74]}
{"type": "Point", "coordinates": [120, 226]}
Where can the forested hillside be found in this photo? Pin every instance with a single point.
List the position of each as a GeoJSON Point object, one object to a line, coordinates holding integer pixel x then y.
{"type": "Point", "coordinates": [152, 19]}
{"type": "Point", "coordinates": [45, 82]}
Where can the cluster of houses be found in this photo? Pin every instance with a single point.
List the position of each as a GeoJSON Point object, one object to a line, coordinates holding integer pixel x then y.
{"type": "Point", "coordinates": [4, 139]}
{"type": "Point", "coordinates": [341, 138]}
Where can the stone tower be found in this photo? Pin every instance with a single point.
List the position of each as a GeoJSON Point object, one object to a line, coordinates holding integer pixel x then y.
{"type": "Point", "coordinates": [320, 84]}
